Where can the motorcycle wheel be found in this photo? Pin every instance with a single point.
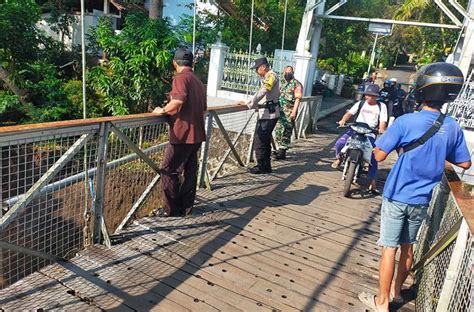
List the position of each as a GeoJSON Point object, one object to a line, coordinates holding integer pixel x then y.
{"type": "Point", "coordinates": [349, 178]}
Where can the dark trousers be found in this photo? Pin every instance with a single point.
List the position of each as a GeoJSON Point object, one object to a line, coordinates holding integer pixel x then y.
{"type": "Point", "coordinates": [263, 142]}
{"type": "Point", "coordinates": [179, 177]}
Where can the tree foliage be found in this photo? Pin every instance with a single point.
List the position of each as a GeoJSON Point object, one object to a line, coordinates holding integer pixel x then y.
{"type": "Point", "coordinates": [137, 70]}
{"type": "Point", "coordinates": [235, 28]}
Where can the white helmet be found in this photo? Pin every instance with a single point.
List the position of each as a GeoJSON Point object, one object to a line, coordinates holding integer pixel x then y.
{"type": "Point", "coordinates": [393, 79]}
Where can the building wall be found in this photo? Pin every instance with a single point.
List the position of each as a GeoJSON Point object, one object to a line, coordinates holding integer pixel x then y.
{"type": "Point", "coordinates": [90, 20]}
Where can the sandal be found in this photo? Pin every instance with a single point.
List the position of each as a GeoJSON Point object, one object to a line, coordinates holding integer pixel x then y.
{"type": "Point", "coordinates": [374, 190]}
{"type": "Point", "coordinates": [396, 300]}
{"type": "Point", "coordinates": [368, 300]}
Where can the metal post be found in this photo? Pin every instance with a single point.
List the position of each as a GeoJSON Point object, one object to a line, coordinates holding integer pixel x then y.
{"type": "Point", "coordinates": [316, 113]}
{"type": "Point", "coordinates": [83, 54]}
{"type": "Point", "coordinates": [283, 36]}
{"type": "Point", "coordinates": [372, 56]}
{"type": "Point", "coordinates": [251, 143]}
{"type": "Point", "coordinates": [205, 151]}
{"type": "Point", "coordinates": [302, 119]}
{"type": "Point", "coordinates": [194, 30]}
{"type": "Point", "coordinates": [250, 48]}
{"type": "Point", "coordinates": [98, 205]}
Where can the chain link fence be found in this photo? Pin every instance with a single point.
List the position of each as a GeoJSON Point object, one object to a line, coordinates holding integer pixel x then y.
{"type": "Point", "coordinates": [68, 185]}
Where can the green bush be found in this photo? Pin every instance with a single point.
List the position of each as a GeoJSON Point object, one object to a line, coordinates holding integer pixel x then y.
{"type": "Point", "coordinates": [95, 106]}
{"type": "Point", "coordinates": [12, 111]}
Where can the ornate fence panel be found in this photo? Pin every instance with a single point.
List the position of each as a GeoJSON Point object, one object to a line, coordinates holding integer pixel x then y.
{"type": "Point", "coordinates": [238, 76]}
{"type": "Point", "coordinates": [462, 109]}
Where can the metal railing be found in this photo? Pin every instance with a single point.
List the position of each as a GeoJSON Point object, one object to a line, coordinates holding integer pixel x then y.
{"type": "Point", "coordinates": [67, 185]}
{"type": "Point", "coordinates": [443, 257]}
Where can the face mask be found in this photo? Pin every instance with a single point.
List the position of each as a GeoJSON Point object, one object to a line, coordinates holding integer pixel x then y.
{"type": "Point", "coordinates": [288, 76]}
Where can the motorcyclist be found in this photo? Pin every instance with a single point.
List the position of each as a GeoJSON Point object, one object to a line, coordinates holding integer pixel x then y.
{"type": "Point", "coordinates": [409, 104]}
{"type": "Point", "coordinates": [385, 94]}
{"type": "Point", "coordinates": [374, 114]}
{"type": "Point", "coordinates": [398, 103]}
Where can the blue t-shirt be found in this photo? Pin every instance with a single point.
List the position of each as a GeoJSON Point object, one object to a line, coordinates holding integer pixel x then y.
{"type": "Point", "coordinates": [416, 173]}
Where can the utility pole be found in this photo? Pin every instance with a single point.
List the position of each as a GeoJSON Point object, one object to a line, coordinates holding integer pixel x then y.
{"type": "Point", "coordinates": [372, 55]}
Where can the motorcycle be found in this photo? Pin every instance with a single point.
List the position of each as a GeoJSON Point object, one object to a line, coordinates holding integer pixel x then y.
{"type": "Point", "coordinates": [319, 88]}
{"type": "Point", "coordinates": [356, 154]}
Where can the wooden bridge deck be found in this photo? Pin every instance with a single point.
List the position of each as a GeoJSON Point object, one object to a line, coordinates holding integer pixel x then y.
{"type": "Point", "coordinates": [286, 241]}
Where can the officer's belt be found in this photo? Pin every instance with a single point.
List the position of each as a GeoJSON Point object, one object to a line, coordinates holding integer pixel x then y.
{"type": "Point", "coordinates": [268, 104]}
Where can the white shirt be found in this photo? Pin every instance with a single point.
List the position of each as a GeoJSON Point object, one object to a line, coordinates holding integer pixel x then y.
{"type": "Point", "coordinates": [370, 114]}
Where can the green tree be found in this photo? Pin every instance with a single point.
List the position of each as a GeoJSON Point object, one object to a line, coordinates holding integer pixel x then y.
{"type": "Point", "coordinates": [19, 40]}
{"type": "Point", "coordinates": [235, 24]}
{"type": "Point", "coordinates": [429, 44]}
{"type": "Point", "coordinates": [137, 70]}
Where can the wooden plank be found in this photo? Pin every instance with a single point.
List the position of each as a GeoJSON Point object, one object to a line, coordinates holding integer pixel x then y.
{"type": "Point", "coordinates": [145, 267]}
{"type": "Point", "coordinates": [147, 288]}
{"type": "Point", "coordinates": [175, 277]}
{"type": "Point", "coordinates": [205, 253]}
{"type": "Point", "coordinates": [241, 218]}
{"type": "Point", "coordinates": [38, 291]}
{"type": "Point", "coordinates": [281, 298]}
{"type": "Point", "coordinates": [249, 301]}
{"type": "Point", "coordinates": [297, 276]}
{"type": "Point", "coordinates": [287, 253]}
{"type": "Point", "coordinates": [124, 283]}
{"type": "Point", "coordinates": [88, 287]}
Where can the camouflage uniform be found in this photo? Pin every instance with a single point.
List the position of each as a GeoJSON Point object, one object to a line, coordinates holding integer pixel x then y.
{"type": "Point", "coordinates": [289, 92]}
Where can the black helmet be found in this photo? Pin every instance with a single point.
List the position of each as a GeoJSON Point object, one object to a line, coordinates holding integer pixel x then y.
{"type": "Point", "coordinates": [438, 82]}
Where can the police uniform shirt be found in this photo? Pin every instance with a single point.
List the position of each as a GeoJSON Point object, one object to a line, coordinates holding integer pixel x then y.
{"type": "Point", "coordinates": [269, 92]}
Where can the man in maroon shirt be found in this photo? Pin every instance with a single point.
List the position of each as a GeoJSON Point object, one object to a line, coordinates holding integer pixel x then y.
{"type": "Point", "coordinates": [186, 109]}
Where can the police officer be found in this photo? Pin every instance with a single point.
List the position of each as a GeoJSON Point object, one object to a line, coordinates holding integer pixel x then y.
{"type": "Point", "coordinates": [291, 93]}
{"type": "Point", "coordinates": [265, 101]}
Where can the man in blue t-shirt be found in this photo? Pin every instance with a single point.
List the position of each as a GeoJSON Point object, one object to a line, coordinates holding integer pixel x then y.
{"type": "Point", "coordinates": [408, 189]}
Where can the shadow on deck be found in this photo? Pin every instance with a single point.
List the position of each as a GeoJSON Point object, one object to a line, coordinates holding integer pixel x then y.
{"type": "Point", "coordinates": [287, 241]}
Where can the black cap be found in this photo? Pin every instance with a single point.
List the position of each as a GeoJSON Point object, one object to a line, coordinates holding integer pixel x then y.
{"type": "Point", "coordinates": [259, 62]}
{"type": "Point", "coordinates": [183, 54]}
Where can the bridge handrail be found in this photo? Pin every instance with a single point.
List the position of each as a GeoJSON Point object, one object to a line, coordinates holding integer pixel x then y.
{"type": "Point", "coordinates": [66, 185]}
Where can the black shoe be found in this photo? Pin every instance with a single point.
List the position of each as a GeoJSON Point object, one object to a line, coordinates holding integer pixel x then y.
{"type": "Point", "coordinates": [259, 170]}
{"type": "Point", "coordinates": [162, 213]}
{"type": "Point", "coordinates": [280, 154]}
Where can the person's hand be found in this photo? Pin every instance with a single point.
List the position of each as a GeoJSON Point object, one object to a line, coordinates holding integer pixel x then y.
{"type": "Point", "coordinates": [293, 116]}
{"type": "Point", "coordinates": [381, 131]}
{"type": "Point", "coordinates": [159, 110]}
{"type": "Point", "coordinates": [341, 123]}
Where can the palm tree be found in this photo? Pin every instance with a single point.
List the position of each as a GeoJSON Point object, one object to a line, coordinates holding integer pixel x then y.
{"type": "Point", "coordinates": [412, 8]}
{"type": "Point", "coordinates": [427, 10]}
